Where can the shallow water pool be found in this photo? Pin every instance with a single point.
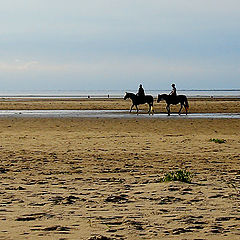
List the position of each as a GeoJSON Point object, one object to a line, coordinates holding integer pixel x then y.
{"type": "Point", "coordinates": [107, 114]}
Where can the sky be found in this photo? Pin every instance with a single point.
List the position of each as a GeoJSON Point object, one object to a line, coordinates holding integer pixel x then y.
{"type": "Point", "coordinates": [118, 44]}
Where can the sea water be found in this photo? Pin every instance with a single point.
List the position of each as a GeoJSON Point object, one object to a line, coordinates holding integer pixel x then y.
{"type": "Point", "coordinates": [114, 93]}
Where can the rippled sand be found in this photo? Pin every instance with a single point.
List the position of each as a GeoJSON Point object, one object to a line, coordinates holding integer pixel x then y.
{"type": "Point", "coordinates": [80, 178]}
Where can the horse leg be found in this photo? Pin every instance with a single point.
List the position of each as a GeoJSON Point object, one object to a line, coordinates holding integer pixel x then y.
{"type": "Point", "coordinates": [149, 110]}
{"type": "Point", "coordinates": [137, 109]}
{"type": "Point", "coordinates": [152, 108]}
{"type": "Point", "coordinates": [168, 109]}
{"type": "Point", "coordinates": [180, 109]}
{"type": "Point", "coordinates": [186, 109]}
{"type": "Point", "coordinates": [131, 107]}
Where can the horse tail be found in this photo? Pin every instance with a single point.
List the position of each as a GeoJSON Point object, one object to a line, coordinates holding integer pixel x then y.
{"type": "Point", "coordinates": [186, 104]}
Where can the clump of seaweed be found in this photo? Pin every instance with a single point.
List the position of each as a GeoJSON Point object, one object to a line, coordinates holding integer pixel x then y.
{"type": "Point", "coordinates": [217, 140]}
{"type": "Point", "coordinates": [179, 175]}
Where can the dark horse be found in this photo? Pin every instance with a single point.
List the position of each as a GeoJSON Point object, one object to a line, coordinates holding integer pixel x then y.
{"type": "Point", "coordinates": [182, 99]}
{"type": "Point", "coordinates": [136, 100]}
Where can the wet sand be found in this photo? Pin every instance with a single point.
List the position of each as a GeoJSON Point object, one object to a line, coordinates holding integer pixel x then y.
{"type": "Point", "coordinates": [197, 105]}
{"type": "Point", "coordinates": [110, 114]}
{"type": "Point", "coordinates": [76, 178]}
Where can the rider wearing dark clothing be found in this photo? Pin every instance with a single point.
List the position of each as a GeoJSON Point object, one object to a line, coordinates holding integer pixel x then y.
{"type": "Point", "coordinates": [174, 91]}
{"type": "Point", "coordinates": [141, 91]}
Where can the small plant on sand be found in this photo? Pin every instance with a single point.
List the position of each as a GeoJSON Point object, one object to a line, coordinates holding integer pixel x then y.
{"type": "Point", "coordinates": [216, 140]}
{"type": "Point", "coordinates": [179, 175]}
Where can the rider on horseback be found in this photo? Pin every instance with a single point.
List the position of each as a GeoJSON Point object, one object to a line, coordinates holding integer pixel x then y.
{"type": "Point", "coordinates": [174, 91]}
{"type": "Point", "coordinates": [141, 91]}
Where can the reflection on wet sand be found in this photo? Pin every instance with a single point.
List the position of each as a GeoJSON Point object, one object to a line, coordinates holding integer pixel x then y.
{"type": "Point", "coordinates": [107, 114]}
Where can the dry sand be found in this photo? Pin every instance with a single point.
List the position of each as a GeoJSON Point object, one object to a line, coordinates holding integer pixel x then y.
{"type": "Point", "coordinates": [64, 178]}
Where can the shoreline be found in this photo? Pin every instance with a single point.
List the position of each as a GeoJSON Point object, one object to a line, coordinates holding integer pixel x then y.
{"type": "Point", "coordinates": [197, 105]}
{"type": "Point", "coordinates": [111, 114]}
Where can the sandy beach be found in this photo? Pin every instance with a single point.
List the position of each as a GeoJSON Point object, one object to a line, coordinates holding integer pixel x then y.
{"type": "Point", "coordinates": [79, 178]}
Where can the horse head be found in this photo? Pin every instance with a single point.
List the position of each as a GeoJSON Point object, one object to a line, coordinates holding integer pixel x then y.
{"type": "Point", "coordinates": [162, 97]}
{"type": "Point", "coordinates": [159, 98]}
{"type": "Point", "coordinates": [126, 96]}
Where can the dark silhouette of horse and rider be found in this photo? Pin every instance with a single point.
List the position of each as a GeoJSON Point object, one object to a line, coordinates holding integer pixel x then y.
{"type": "Point", "coordinates": [140, 98]}
{"type": "Point", "coordinates": [172, 98]}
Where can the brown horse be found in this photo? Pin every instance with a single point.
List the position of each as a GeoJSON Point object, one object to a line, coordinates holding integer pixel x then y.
{"type": "Point", "coordinates": [182, 99]}
{"type": "Point", "coordinates": [136, 100]}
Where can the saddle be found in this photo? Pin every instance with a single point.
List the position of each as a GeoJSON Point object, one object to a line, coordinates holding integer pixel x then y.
{"type": "Point", "coordinates": [174, 99]}
{"type": "Point", "coordinates": [141, 99]}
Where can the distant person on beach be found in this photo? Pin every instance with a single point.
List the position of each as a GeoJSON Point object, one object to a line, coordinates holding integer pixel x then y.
{"type": "Point", "coordinates": [141, 91]}
{"type": "Point", "coordinates": [174, 91]}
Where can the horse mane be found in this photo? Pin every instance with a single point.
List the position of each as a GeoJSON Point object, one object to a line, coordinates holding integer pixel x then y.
{"type": "Point", "coordinates": [130, 93]}
{"type": "Point", "coordinates": [163, 95]}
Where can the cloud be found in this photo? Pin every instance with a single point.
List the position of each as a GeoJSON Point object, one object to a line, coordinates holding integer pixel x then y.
{"type": "Point", "coordinates": [99, 40]}
{"type": "Point", "coordinates": [120, 65]}
{"type": "Point", "coordinates": [17, 66]}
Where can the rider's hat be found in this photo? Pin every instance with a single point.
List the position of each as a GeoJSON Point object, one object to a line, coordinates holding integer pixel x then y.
{"type": "Point", "coordinates": [173, 85]}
